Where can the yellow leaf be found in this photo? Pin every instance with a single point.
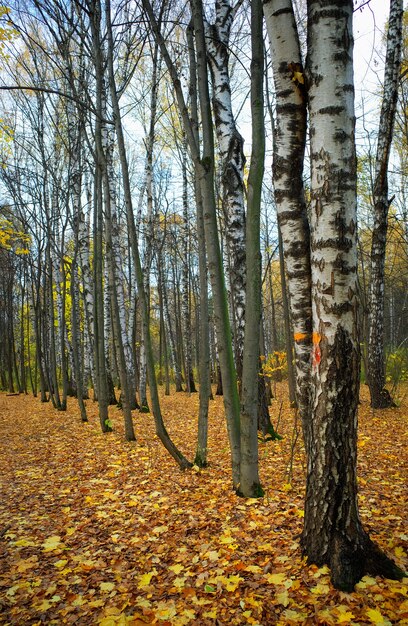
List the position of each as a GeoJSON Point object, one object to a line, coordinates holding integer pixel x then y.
{"type": "Point", "coordinates": [299, 77]}
{"type": "Point", "coordinates": [255, 569]}
{"type": "Point", "coordinates": [345, 618]}
{"type": "Point", "coordinates": [60, 563]}
{"type": "Point", "coordinates": [177, 568]}
{"type": "Point", "coordinates": [283, 598]}
{"type": "Point", "coordinates": [144, 581]}
{"type": "Point", "coordinates": [107, 621]}
{"type": "Point", "coordinates": [275, 579]}
{"type": "Point", "coordinates": [211, 614]}
{"type": "Point", "coordinates": [294, 616]}
{"type": "Point", "coordinates": [96, 603]}
{"type": "Point", "coordinates": [52, 543]}
{"type": "Point", "coordinates": [158, 530]}
{"type": "Point", "coordinates": [24, 542]}
{"type": "Point", "coordinates": [25, 564]}
{"type": "Point", "coordinates": [402, 590]}
{"type": "Point", "coordinates": [88, 565]}
{"type": "Point", "coordinates": [44, 606]}
{"type": "Point", "coordinates": [365, 582]}
{"type": "Point", "coordinates": [399, 552]}
{"type": "Point", "coordinates": [179, 582]}
{"type": "Point", "coordinates": [321, 571]}
{"type": "Point", "coordinates": [107, 586]}
{"type": "Point", "coordinates": [226, 538]}
{"type": "Point", "coordinates": [287, 487]}
{"type": "Point", "coordinates": [376, 618]}
{"type": "Point", "coordinates": [320, 589]}
{"type": "Point", "coordinates": [252, 601]}
{"type": "Point", "coordinates": [232, 582]}
{"type": "Point", "coordinates": [189, 613]}
{"type": "Point", "coordinates": [165, 611]}
{"type": "Point", "coordinates": [70, 531]}
{"type": "Point", "coordinates": [212, 555]}
{"type": "Point", "coordinates": [145, 604]}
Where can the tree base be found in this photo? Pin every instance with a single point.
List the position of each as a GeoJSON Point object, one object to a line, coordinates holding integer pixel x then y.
{"type": "Point", "coordinates": [349, 563]}
{"type": "Point", "coordinates": [201, 463]}
{"type": "Point", "coordinates": [255, 491]}
{"type": "Point", "coordinates": [382, 400]}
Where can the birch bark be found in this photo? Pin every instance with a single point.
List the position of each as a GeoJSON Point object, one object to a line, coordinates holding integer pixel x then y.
{"type": "Point", "coordinates": [330, 357]}
{"type": "Point", "coordinates": [231, 148]}
{"type": "Point", "coordinates": [288, 155]}
{"type": "Point", "coordinates": [380, 397]}
{"type": "Point", "coordinates": [332, 529]}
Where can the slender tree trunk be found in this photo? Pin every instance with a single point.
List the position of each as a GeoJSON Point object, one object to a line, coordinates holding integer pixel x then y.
{"type": "Point", "coordinates": [289, 139]}
{"type": "Point", "coordinates": [203, 342]}
{"type": "Point", "coordinates": [185, 301]}
{"type": "Point", "coordinates": [231, 146]}
{"type": "Point", "coordinates": [159, 424]}
{"type": "Point", "coordinates": [249, 478]}
{"type": "Point", "coordinates": [380, 397]}
{"type": "Point", "coordinates": [204, 362]}
{"type": "Point", "coordinates": [54, 387]}
{"type": "Point", "coordinates": [75, 325]}
{"type": "Point", "coordinates": [205, 172]}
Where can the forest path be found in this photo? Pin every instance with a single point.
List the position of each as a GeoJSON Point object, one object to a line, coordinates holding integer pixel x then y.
{"type": "Point", "coordinates": [94, 530]}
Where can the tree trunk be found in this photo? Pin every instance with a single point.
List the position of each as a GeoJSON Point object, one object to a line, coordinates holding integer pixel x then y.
{"type": "Point", "coordinates": [249, 478]}
{"type": "Point", "coordinates": [203, 342]}
{"type": "Point", "coordinates": [287, 324]}
{"type": "Point", "coordinates": [289, 137]}
{"type": "Point", "coordinates": [232, 165]}
{"type": "Point", "coordinates": [159, 424]}
{"type": "Point", "coordinates": [332, 531]}
{"type": "Point", "coordinates": [380, 397]}
{"type": "Point", "coordinates": [75, 325]}
{"type": "Point", "coordinates": [185, 277]}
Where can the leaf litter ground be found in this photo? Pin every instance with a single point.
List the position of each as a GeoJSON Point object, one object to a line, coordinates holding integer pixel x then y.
{"type": "Point", "coordinates": [95, 530]}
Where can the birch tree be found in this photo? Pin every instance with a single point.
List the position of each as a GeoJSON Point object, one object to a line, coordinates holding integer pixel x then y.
{"type": "Point", "coordinates": [330, 361]}
{"type": "Point", "coordinates": [231, 149]}
{"type": "Point", "coordinates": [380, 397]}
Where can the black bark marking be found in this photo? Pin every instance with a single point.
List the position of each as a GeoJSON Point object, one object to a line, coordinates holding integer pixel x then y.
{"type": "Point", "coordinates": [331, 110]}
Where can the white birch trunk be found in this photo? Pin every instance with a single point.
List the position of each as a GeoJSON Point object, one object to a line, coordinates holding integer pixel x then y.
{"type": "Point", "coordinates": [380, 397]}
{"type": "Point", "coordinates": [289, 149]}
{"type": "Point", "coordinates": [332, 529]}
{"type": "Point", "coordinates": [230, 144]}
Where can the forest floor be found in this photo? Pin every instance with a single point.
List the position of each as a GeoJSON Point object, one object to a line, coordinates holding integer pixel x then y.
{"type": "Point", "coordinates": [98, 531]}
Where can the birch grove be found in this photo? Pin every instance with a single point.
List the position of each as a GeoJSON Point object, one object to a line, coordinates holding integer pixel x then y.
{"type": "Point", "coordinates": [167, 181]}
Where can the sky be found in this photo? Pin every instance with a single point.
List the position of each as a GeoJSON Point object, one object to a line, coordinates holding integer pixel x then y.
{"type": "Point", "coordinates": [368, 42]}
{"type": "Point", "coordinates": [369, 56]}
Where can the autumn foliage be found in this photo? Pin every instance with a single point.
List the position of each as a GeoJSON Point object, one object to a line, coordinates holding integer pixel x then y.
{"type": "Point", "coordinates": [95, 530]}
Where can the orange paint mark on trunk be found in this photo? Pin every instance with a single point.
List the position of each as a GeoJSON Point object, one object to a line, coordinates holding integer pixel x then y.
{"type": "Point", "coordinates": [316, 337]}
